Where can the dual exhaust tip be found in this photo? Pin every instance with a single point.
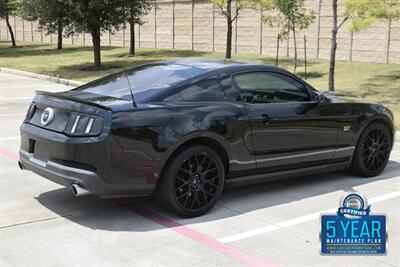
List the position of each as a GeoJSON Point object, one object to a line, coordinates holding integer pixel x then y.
{"type": "Point", "coordinates": [20, 165]}
{"type": "Point", "coordinates": [76, 189]}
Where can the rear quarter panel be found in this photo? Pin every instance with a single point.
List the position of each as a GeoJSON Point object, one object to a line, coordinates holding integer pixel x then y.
{"type": "Point", "coordinates": [151, 134]}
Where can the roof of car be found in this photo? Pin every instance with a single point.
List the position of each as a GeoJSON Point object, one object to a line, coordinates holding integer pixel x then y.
{"type": "Point", "coordinates": [211, 63]}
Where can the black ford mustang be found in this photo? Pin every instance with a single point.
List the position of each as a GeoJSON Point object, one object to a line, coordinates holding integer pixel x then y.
{"type": "Point", "coordinates": [184, 129]}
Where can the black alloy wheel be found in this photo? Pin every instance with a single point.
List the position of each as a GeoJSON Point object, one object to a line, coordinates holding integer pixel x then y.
{"type": "Point", "coordinates": [193, 181]}
{"type": "Point", "coordinates": [373, 151]}
{"type": "Point", "coordinates": [376, 150]}
{"type": "Point", "coordinates": [197, 182]}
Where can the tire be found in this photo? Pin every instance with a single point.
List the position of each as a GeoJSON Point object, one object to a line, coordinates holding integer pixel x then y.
{"type": "Point", "coordinates": [192, 182]}
{"type": "Point", "coordinates": [373, 150]}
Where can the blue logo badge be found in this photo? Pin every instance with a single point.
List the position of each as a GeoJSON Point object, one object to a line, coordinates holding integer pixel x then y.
{"type": "Point", "coordinates": [353, 206]}
{"type": "Point", "coordinates": [353, 230]}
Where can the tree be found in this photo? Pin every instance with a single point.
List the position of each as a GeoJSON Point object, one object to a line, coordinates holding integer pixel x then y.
{"type": "Point", "coordinates": [52, 16]}
{"type": "Point", "coordinates": [335, 29]}
{"type": "Point", "coordinates": [7, 9]}
{"type": "Point", "coordinates": [362, 14]}
{"type": "Point", "coordinates": [94, 17]}
{"type": "Point", "coordinates": [225, 7]}
{"type": "Point", "coordinates": [135, 10]}
{"type": "Point", "coordinates": [291, 16]}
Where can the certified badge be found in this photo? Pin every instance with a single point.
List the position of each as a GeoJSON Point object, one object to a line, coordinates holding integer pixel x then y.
{"type": "Point", "coordinates": [353, 230]}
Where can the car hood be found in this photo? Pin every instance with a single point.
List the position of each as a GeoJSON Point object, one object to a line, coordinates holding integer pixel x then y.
{"type": "Point", "coordinates": [343, 98]}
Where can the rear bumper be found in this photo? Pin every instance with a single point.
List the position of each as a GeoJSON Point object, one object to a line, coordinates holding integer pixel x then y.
{"type": "Point", "coordinates": [97, 164]}
{"type": "Point", "coordinates": [66, 176]}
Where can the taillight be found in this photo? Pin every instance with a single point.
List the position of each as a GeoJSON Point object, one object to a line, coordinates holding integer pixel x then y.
{"type": "Point", "coordinates": [83, 125]}
{"type": "Point", "coordinates": [31, 112]}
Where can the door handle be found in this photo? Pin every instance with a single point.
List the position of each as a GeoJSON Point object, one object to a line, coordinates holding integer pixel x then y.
{"type": "Point", "coordinates": [264, 118]}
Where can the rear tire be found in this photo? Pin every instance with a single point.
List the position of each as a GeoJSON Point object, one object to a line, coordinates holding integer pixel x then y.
{"type": "Point", "coordinates": [192, 182]}
{"type": "Point", "coordinates": [373, 150]}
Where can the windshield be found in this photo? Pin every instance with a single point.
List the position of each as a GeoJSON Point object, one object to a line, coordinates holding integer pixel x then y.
{"type": "Point", "coordinates": [143, 82]}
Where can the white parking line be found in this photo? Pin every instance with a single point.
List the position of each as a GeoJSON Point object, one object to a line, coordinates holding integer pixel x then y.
{"type": "Point", "coordinates": [33, 86]}
{"type": "Point", "coordinates": [16, 98]}
{"type": "Point", "coordinates": [295, 221]}
{"type": "Point", "coordinates": [12, 114]}
{"type": "Point", "coordinates": [9, 138]}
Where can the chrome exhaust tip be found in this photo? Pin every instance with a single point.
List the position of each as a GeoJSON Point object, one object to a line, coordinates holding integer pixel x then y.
{"type": "Point", "coordinates": [78, 191]}
{"type": "Point", "coordinates": [20, 165]}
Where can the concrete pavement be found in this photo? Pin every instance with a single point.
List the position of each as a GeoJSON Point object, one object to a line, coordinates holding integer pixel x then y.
{"type": "Point", "coordinates": [43, 224]}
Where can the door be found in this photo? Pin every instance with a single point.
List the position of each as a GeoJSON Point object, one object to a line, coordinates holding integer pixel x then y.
{"type": "Point", "coordinates": [289, 129]}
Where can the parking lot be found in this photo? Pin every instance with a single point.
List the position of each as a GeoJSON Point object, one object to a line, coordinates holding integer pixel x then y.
{"type": "Point", "coordinates": [274, 224]}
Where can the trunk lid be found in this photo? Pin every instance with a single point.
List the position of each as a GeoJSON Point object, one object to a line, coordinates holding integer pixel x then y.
{"type": "Point", "coordinates": [57, 112]}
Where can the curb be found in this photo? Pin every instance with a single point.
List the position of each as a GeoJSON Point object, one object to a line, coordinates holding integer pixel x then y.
{"type": "Point", "coordinates": [41, 77]}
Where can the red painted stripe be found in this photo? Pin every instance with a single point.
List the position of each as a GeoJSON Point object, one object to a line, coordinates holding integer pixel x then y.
{"type": "Point", "coordinates": [9, 154]}
{"type": "Point", "coordinates": [185, 231]}
{"type": "Point", "coordinates": [201, 238]}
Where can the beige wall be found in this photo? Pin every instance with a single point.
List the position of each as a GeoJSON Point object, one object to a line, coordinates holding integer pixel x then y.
{"type": "Point", "coordinates": [197, 25]}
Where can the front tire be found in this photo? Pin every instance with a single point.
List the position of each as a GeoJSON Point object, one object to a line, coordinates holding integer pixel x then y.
{"type": "Point", "coordinates": [373, 150]}
{"type": "Point", "coordinates": [192, 182]}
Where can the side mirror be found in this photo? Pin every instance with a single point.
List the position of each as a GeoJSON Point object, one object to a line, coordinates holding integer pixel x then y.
{"type": "Point", "coordinates": [317, 97]}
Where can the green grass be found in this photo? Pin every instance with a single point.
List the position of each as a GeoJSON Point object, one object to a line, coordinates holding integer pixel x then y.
{"type": "Point", "coordinates": [375, 82]}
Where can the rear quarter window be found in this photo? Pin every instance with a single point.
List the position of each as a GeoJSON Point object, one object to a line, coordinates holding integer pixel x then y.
{"type": "Point", "coordinates": [205, 91]}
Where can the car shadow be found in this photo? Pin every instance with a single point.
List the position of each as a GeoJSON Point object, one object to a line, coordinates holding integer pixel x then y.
{"type": "Point", "coordinates": [119, 214]}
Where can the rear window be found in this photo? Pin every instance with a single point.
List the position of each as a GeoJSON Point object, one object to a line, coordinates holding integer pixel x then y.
{"type": "Point", "coordinates": [150, 80]}
{"type": "Point", "coordinates": [116, 86]}
{"type": "Point", "coordinates": [144, 82]}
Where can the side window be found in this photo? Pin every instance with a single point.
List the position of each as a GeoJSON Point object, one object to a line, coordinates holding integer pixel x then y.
{"type": "Point", "coordinates": [270, 87]}
{"type": "Point", "coordinates": [205, 91]}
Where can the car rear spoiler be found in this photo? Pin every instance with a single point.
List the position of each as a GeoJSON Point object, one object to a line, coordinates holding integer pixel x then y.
{"type": "Point", "coordinates": [83, 101]}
